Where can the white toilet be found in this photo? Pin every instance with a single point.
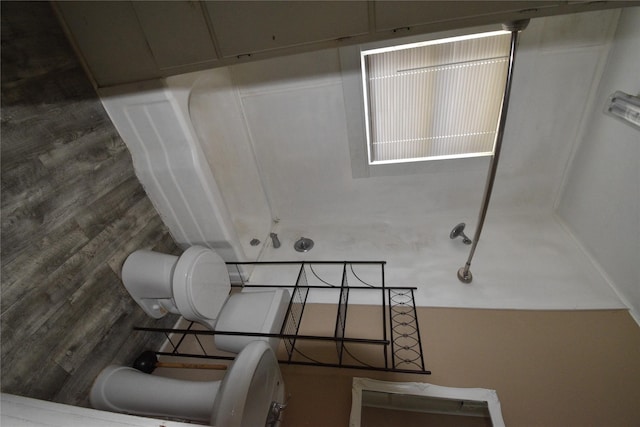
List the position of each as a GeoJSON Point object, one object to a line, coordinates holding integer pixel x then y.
{"type": "Point", "coordinates": [251, 393]}
{"type": "Point", "coordinates": [196, 285]}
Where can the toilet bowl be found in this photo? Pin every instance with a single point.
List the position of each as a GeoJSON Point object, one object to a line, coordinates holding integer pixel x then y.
{"type": "Point", "coordinates": [196, 285]}
{"type": "Point", "coordinates": [244, 397]}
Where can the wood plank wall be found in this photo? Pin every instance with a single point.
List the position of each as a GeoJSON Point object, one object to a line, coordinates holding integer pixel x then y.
{"type": "Point", "coordinates": [72, 210]}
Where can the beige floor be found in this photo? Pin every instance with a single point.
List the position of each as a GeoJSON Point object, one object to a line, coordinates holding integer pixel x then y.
{"type": "Point", "coordinates": [549, 368]}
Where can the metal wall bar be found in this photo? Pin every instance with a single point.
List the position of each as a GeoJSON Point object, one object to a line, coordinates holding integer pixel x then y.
{"type": "Point", "coordinates": [341, 316]}
{"type": "Point", "coordinates": [368, 288]}
{"type": "Point", "coordinates": [384, 320]}
{"type": "Point", "coordinates": [393, 350]}
{"type": "Point", "coordinates": [303, 262]}
{"type": "Point", "coordinates": [323, 365]}
{"type": "Point", "coordinates": [265, 335]}
{"type": "Point", "coordinates": [464, 275]}
{"type": "Point", "coordinates": [292, 320]}
{"type": "Point", "coordinates": [415, 314]}
{"type": "Point", "coordinates": [405, 339]}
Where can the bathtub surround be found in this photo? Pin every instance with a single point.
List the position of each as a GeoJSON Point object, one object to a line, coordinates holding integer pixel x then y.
{"type": "Point", "coordinates": [286, 126]}
{"type": "Point", "coordinates": [72, 210]}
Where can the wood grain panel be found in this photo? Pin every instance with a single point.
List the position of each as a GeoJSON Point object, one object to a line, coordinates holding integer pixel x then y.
{"type": "Point", "coordinates": [92, 218]}
{"type": "Point", "coordinates": [72, 211]}
{"type": "Point", "coordinates": [46, 205]}
{"type": "Point", "coordinates": [32, 266]}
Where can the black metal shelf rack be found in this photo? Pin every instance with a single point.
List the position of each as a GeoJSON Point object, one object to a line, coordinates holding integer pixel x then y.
{"type": "Point", "coordinates": [397, 346]}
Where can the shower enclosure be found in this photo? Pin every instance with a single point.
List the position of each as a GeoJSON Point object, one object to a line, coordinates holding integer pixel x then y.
{"type": "Point", "coordinates": [264, 147]}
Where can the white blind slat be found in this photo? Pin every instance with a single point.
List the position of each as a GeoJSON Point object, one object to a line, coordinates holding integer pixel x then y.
{"type": "Point", "coordinates": [437, 100]}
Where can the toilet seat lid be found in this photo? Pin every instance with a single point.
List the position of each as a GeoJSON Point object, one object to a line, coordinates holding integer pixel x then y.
{"type": "Point", "coordinates": [200, 283]}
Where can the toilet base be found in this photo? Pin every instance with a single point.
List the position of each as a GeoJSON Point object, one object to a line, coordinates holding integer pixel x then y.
{"type": "Point", "coordinates": [127, 390]}
{"type": "Point", "coordinates": [243, 398]}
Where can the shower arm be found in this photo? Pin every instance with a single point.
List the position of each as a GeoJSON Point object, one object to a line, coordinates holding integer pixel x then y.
{"type": "Point", "coordinates": [464, 275]}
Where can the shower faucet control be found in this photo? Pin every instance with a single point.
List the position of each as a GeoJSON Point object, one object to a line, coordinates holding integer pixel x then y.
{"type": "Point", "coordinates": [458, 230]}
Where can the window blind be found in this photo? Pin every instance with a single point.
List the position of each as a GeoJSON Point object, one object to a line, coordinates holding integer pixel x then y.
{"type": "Point", "coordinates": [439, 99]}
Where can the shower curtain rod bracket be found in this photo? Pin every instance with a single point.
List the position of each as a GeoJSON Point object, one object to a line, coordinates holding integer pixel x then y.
{"type": "Point", "coordinates": [464, 275]}
{"type": "Point", "coordinates": [518, 25]}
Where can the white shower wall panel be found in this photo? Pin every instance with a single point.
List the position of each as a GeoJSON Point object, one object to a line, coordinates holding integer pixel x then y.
{"type": "Point", "coordinates": [295, 112]}
{"type": "Point", "coordinates": [601, 201]}
{"type": "Point", "coordinates": [524, 261]}
{"type": "Point", "coordinates": [299, 132]}
{"type": "Point", "coordinates": [552, 90]}
{"type": "Point", "coordinates": [208, 99]}
{"type": "Point", "coordinates": [168, 161]}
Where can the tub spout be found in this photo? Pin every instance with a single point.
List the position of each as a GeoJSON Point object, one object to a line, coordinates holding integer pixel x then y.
{"type": "Point", "coordinates": [276, 241]}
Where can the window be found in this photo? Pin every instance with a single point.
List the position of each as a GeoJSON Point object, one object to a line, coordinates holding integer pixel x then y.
{"type": "Point", "coordinates": [434, 100]}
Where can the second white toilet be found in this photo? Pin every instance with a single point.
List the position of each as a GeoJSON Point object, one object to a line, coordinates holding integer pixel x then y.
{"type": "Point", "coordinates": [196, 285]}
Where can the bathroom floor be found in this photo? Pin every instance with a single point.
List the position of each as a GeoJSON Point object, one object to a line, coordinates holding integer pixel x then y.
{"type": "Point", "coordinates": [581, 366]}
